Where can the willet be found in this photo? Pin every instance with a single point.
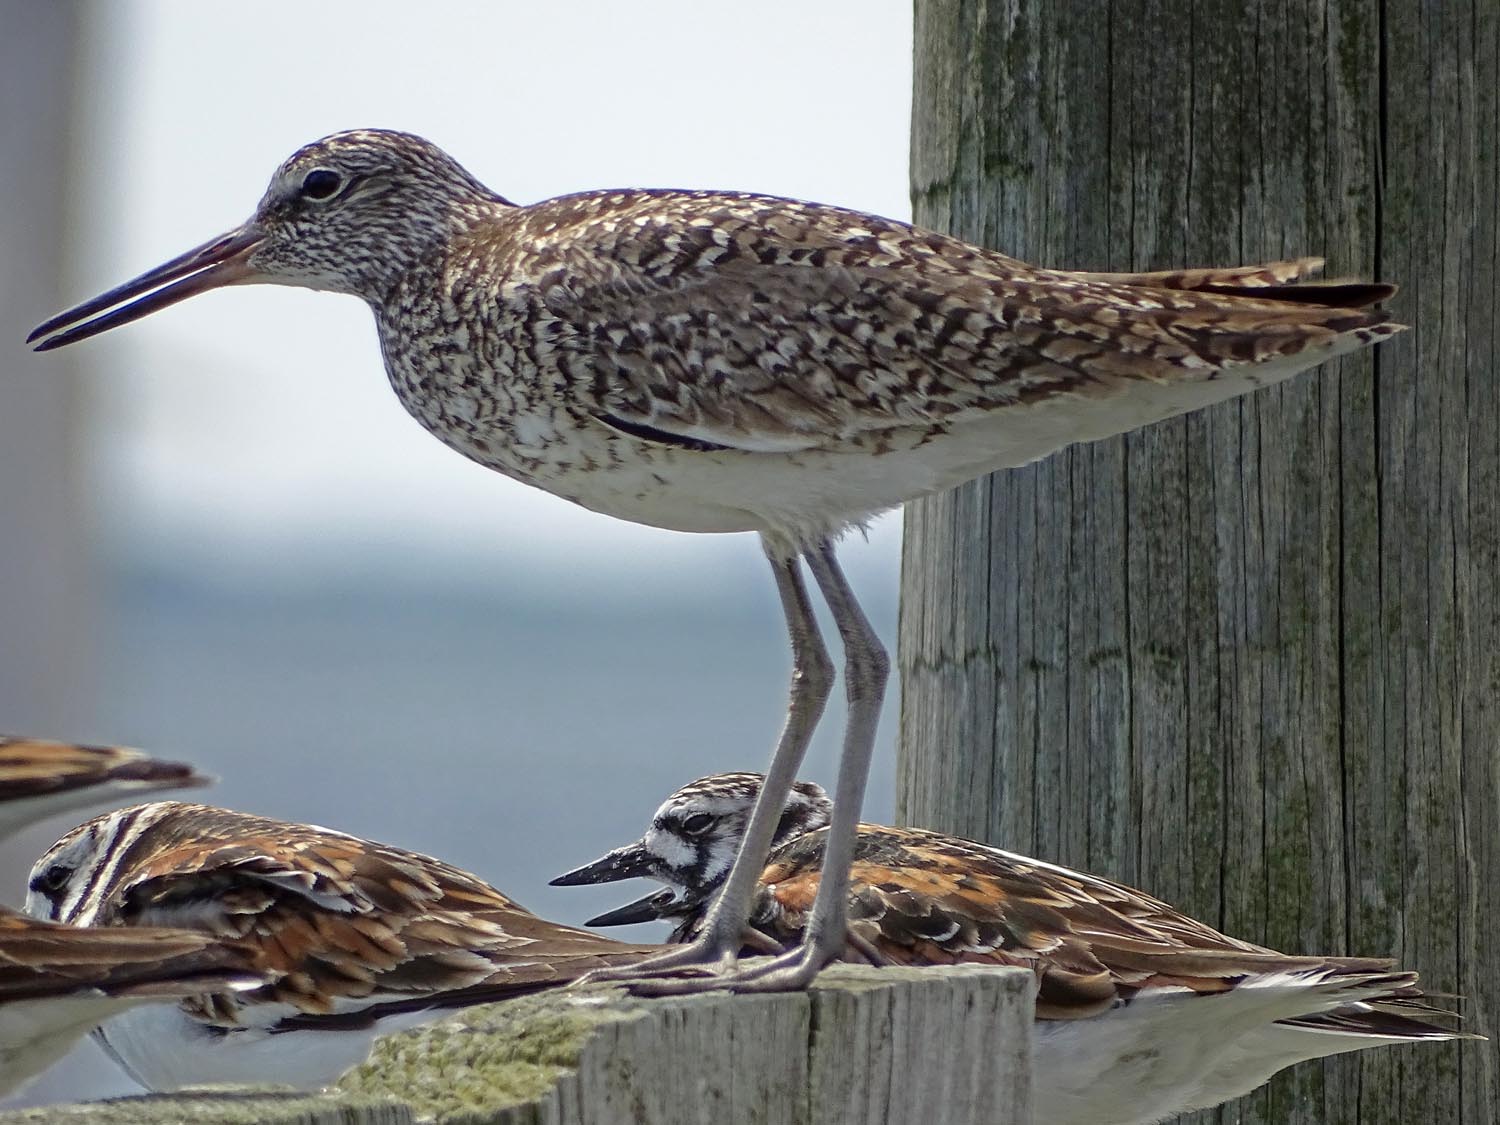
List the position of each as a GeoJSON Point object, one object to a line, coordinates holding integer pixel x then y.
{"type": "Point", "coordinates": [720, 361]}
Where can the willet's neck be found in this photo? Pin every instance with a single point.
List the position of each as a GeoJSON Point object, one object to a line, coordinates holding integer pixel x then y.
{"type": "Point", "coordinates": [414, 255]}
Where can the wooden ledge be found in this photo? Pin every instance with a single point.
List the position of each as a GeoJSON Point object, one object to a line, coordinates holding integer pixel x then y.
{"type": "Point", "coordinates": [939, 1046]}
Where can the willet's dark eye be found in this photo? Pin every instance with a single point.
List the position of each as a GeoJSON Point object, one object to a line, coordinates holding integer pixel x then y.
{"type": "Point", "coordinates": [320, 183]}
{"type": "Point", "coordinates": [51, 881]}
{"type": "Point", "coordinates": [697, 824]}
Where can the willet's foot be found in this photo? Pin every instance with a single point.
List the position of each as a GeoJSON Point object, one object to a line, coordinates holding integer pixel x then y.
{"type": "Point", "coordinates": [719, 361]}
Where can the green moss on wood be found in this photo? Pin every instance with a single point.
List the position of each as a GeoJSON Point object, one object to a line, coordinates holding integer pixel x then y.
{"type": "Point", "coordinates": [485, 1058]}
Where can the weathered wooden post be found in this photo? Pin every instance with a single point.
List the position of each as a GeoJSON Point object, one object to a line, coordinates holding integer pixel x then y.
{"type": "Point", "coordinates": [939, 1046]}
{"type": "Point", "coordinates": [1247, 660]}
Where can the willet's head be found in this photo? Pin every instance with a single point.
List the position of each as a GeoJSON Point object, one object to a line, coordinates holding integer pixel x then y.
{"type": "Point", "coordinates": [351, 213]}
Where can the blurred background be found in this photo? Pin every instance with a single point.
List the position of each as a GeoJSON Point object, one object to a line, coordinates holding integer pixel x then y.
{"type": "Point", "coordinates": [222, 540]}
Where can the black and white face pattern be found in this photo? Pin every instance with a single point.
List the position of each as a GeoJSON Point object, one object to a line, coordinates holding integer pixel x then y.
{"type": "Point", "coordinates": [71, 882]}
{"type": "Point", "coordinates": [695, 834]}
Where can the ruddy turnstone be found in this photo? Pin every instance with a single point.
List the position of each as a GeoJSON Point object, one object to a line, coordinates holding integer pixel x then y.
{"type": "Point", "coordinates": [1142, 1011]}
{"type": "Point", "coordinates": [357, 938]}
{"type": "Point", "coordinates": [690, 846]}
{"type": "Point", "coordinates": [58, 982]}
{"type": "Point", "coordinates": [721, 362]}
{"type": "Point", "coordinates": [39, 778]}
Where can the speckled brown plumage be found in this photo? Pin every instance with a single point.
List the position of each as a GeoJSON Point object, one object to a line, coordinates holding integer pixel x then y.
{"type": "Point", "coordinates": [30, 767]}
{"type": "Point", "coordinates": [59, 982]}
{"type": "Point", "coordinates": [39, 778]}
{"type": "Point", "coordinates": [724, 361]}
{"type": "Point", "coordinates": [1142, 1011]}
{"type": "Point", "coordinates": [918, 897]}
{"type": "Point", "coordinates": [330, 917]}
{"type": "Point", "coordinates": [355, 938]}
{"type": "Point", "coordinates": [639, 351]}
{"type": "Point", "coordinates": [47, 959]}
{"type": "Point", "coordinates": [640, 334]}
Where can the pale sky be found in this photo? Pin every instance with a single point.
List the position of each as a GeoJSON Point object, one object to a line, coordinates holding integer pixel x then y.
{"type": "Point", "coordinates": [250, 432]}
{"type": "Point", "coordinates": [261, 416]}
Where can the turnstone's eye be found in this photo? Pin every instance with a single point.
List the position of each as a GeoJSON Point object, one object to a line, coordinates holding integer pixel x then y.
{"type": "Point", "coordinates": [320, 183]}
{"type": "Point", "coordinates": [697, 824]}
{"type": "Point", "coordinates": [51, 881]}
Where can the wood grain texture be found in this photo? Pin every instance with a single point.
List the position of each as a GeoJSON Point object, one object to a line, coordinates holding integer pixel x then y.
{"type": "Point", "coordinates": [840, 1054]}
{"type": "Point", "coordinates": [1245, 659]}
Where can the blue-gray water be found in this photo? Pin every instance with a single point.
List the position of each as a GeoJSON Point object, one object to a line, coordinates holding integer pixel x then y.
{"type": "Point", "coordinates": [513, 735]}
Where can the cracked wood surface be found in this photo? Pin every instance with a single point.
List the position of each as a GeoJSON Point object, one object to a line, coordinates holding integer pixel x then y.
{"type": "Point", "coordinates": [1245, 659]}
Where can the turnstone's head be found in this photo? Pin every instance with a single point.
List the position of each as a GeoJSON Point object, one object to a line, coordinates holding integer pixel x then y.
{"type": "Point", "coordinates": [692, 842]}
